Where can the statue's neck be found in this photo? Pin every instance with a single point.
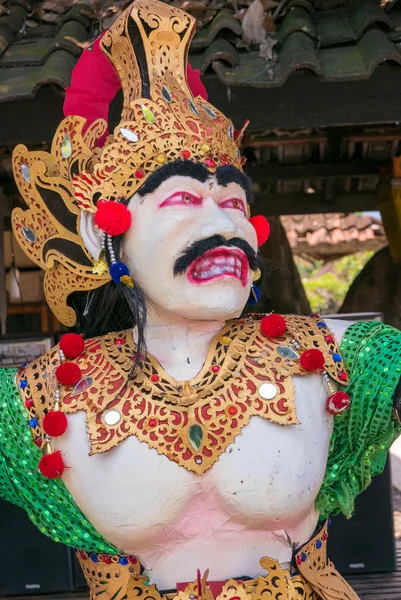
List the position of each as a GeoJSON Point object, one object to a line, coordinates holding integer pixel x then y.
{"type": "Point", "coordinates": [180, 345]}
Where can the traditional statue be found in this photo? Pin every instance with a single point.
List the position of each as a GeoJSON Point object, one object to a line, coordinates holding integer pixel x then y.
{"type": "Point", "coordinates": [184, 450]}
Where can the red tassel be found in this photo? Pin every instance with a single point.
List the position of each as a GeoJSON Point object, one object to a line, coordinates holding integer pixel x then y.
{"type": "Point", "coordinates": [72, 345]}
{"type": "Point", "coordinates": [55, 423]}
{"type": "Point", "coordinates": [273, 326]}
{"type": "Point", "coordinates": [337, 403]}
{"type": "Point", "coordinates": [113, 217]}
{"type": "Point", "coordinates": [52, 465]}
{"type": "Point", "coordinates": [312, 360]}
{"type": "Point", "coordinates": [68, 373]}
{"type": "Point", "coordinates": [262, 228]}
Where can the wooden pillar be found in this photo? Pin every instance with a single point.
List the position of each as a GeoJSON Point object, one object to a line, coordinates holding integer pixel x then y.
{"type": "Point", "coordinates": [282, 289]}
{"type": "Point", "coordinates": [389, 203]}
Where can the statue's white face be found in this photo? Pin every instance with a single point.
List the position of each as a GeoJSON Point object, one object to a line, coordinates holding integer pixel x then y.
{"type": "Point", "coordinates": [167, 221]}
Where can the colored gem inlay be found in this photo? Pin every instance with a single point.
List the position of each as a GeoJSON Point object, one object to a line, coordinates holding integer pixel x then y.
{"type": "Point", "coordinates": [25, 172]}
{"type": "Point", "coordinates": [209, 162]}
{"type": "Point", "coordinates": [128, 134]}
{"type": "Point", "coordinates": [28, 234]}
{"type": "Point", "coordinates": [215, 368]}
{"type": "Point", "coordinates": [193, 107]}
{"type": "Point", "coordinates": [166, 94]}
{"type": "Point", "coordinates": [287, 352]}
{"type": "Point", "coordinates": [112, 417]}
{"type": "Point", "coordinates": [195, 435]}
{"type": "Point", "coordinates": [82, 385]}
{"type": "Point", "coordinates": [119, 342]}
{"type": "Point", "coordinates": [209, 111]}
{"type": "Point", "coordinates": [154, 378]}
{"type": "Point", "coordinates": [185, 154]}
{"type": "Point", "coordinates": [66, 147]}
{"type": "Point", "coordinates": [268, 391]}
{"type": "Point", "coordinates": [139, 173]}
{"type": "Point", "coordinates": [147, 113]}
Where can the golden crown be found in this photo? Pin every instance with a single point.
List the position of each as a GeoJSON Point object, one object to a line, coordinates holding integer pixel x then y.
{"type": "Point", "coordinates": [161, 122]}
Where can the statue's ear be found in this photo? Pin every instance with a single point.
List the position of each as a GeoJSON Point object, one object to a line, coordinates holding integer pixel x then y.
{"type": "Point", "coordinates": [90, 234]}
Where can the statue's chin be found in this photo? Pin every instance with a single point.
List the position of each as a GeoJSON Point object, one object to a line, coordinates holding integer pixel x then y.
{"type": "Point", "coordinates": [211, 308]}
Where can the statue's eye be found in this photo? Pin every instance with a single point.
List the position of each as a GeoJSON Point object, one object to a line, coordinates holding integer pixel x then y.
{"type": "Point", "coordinates": [236, 203]}
{"type": "Point", "coordinates": [180, 198]}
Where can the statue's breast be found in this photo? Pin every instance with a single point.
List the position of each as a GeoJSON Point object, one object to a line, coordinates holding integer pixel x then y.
{"type": "Point", "coordinates": [261, 489]}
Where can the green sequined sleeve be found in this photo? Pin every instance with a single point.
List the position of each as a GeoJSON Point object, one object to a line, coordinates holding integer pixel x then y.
{"type": "Point", "coordinates": [363, 434]}
{"type": "Point", "coordinates": [47, 502]}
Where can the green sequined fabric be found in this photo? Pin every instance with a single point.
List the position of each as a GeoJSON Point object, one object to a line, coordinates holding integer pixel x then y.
{"type": "Point", "coordinates": [363, 434]}
{"type": "Point", "coordinates": [47, 502]}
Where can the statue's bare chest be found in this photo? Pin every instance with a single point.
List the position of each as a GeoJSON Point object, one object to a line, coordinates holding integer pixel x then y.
{"type": "Point", "coordinates": [265, 484]}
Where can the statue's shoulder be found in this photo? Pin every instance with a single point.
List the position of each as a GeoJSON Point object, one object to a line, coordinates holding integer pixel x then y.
{"type": "Point", "coordinates": [289, 337]}
{"type": "Point", "coordinates": [66, 363]}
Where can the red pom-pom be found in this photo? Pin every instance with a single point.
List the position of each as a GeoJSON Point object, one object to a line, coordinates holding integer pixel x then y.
{"type": "Point", "coordinates": [262, 228]}
{"type": "Point", "coordinates": [312, 359]}
{"type": "Point", "coordinates": [72, 345]}
{"type": "Point", "coordinates": [52, 465]}
{"type": "Point", "coordinates": [273, 326]}
{"type": "Point", "coordinates": [55, 423]}
{"type": "Point", "coordinates": [68, 373]}
{"type": "Point", "coordinates": [113, 217]}
{"type": "Point", "coordinates": [337, 403]}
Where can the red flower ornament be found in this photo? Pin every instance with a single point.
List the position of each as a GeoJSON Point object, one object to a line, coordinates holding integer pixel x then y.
{"type": "Point", "coordinates": [112, 217]}
{"type": "Point", "coordinates": [52, 465]}
{"type": "Point", "coordinates": [262, 228]}
{"type": "Point", "coordinates": [312, 359]}
{"type": "Point", "coordinates": [273, 326]}
{"type": "Point", "coordinates": [68, 373]}
{"type": "Point", "coordinates": [55, 423]}
{"type": "Point", "coordinates": [338, 403]}
{"type": "Point", "coordinates": [72, 345]}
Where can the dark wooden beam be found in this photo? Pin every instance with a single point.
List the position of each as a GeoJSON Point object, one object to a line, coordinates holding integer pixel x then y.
{"type": "Point", "coordinates": [32, 121]}
{"type": "Point", "coordinates": [303, 204]}
{"type": "Point", "coordinates": [277, 172]}
{"type": "Point", "coordinates": [305, 102]}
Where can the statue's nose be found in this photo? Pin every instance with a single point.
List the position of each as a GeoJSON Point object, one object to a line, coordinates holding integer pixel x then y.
{"type": "Point", "coordinates": [216, 221]}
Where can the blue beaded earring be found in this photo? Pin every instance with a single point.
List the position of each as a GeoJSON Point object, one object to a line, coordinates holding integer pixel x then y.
{"type": "Point", "coordinates": [255, 294]}
{"type": "Point", "coordinates": [118, 270]}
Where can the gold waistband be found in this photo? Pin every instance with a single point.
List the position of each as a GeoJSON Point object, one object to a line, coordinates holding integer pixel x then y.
{"type": "Point", "coordinates": [313, 578]}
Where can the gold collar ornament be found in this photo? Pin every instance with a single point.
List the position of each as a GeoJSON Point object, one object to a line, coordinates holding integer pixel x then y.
{"type": "Point", "coordinates": [245, 375]}
{"type": "Point", "coordinates": [161, 122]}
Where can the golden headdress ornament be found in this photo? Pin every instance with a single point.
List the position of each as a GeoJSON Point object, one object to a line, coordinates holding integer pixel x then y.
{"type": "Point", "coordinates": [161, 121]}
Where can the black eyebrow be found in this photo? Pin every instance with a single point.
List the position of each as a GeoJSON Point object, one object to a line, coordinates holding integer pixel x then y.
{"type": "Point", "coordinates": [185, 168]}
{"type": "Point", "coordinates": [230, 174]}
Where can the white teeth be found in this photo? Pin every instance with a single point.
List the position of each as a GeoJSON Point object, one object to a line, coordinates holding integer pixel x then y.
{"type": "Point", "coordinates": [218, 265]}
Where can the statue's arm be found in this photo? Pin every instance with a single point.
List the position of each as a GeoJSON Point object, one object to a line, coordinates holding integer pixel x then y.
{"type": "Point", "coordinates": [13, 436]}
{"type": "Point", "coordinates": [363, 434]}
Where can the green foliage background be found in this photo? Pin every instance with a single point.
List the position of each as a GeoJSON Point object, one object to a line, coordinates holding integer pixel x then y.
{"type": "Point", "coordinates": [326, 284]}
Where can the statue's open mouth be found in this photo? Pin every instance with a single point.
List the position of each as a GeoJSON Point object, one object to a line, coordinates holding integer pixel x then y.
{"type": "Point", "coordinates": [218, 263]}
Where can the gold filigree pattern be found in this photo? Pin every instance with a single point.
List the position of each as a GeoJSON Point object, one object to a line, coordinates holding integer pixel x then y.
{"type": "Point", "coordinates": [305, 583]}
{"type": "Point", "coordinates": [191, 423]}
{"type": "Point", "coordinates": [160, 122]}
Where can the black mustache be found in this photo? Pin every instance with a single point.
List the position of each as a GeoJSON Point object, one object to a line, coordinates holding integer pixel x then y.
{"type": "Point", "coordinates": [199, 248]}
